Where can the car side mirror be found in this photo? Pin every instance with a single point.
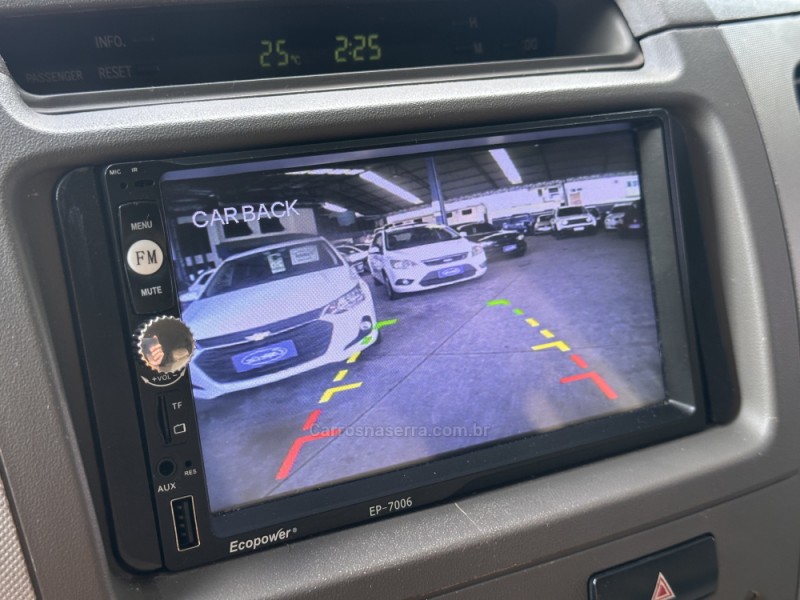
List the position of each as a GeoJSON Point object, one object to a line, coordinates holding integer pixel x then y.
{"type": "Point", "coordinates": [374, 250]}
{"type": "Point", "coordinates": [463, 234]}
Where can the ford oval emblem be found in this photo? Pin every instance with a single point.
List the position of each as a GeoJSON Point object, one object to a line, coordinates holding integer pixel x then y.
{"type": "Point", "coordinates": [450, 272]}
{"type": "Point", "coordinates": [264, 356]}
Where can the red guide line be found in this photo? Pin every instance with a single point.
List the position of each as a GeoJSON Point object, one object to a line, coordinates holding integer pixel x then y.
{"type": "Point", "coordinates": [599, 382]}
{"type": "Point", "coordinates": [579, 361]}
{"type": "Point", "coordinates": [291, 457]}
{"type": "Point", "coordinates": [312, 418]}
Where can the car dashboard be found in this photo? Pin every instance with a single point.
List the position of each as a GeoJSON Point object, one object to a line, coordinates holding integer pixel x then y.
{"type": "Point", "coordinates": [717, 80]}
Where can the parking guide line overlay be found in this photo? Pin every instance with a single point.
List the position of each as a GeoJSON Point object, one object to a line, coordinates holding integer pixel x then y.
{"type": "Point", "coordinates": [598, 381]}
{"type": "Point", "coordinates": [294, 451]}
{"type": "Point", "coordinates": [559, 344]}
{"type": "Point", "coordinates": [579, 361]}
{"type": "Point", "coordinates": [385, 323]}
{"type": "Point", "coordinates": [312, 418]}
{"type": "Point", "coordinates": [498, 303]}
{"type": "Point", "coordinates": [328, 394]}
{"type": "Point", "coordinates": [341, 375]}
{"type": "Point", "coordinates": [354, 358]}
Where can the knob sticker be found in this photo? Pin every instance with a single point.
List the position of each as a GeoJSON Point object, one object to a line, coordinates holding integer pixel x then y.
{"type": "Point", "coordinates": [165, 345]}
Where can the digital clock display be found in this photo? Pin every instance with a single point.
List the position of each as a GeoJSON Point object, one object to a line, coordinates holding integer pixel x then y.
{"type": "Point", "coordinates": [133, 48]}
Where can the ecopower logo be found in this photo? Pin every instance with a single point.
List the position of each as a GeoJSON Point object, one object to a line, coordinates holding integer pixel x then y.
{"type": "Point", "coordinates": [281, 535]}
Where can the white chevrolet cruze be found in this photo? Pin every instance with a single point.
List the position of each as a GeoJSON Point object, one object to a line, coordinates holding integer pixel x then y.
{"type": "Point", "coordinates": [413, 258]}
{"type": "Point", "coordinates": [267, 314]}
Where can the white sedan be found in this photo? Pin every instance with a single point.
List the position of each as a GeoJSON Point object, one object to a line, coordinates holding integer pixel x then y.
{"type": "Point", "coordinates": [354, 256]}
{"type": "Point", "coordinates": [421, 257]}
{"type": "Point", "coordinates": [280, 310]}
{"type": "Point", "coordinates": [197, 287]}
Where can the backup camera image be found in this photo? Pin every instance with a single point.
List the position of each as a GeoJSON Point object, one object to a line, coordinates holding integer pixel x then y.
{"type": "Point", "coordinates": [367, 310]}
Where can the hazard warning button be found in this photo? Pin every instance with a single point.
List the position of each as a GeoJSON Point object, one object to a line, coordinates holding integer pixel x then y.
{"type": "Point", "coordinates": [685, 572]}
{"type": "Point", "coordinates": [663, 591]}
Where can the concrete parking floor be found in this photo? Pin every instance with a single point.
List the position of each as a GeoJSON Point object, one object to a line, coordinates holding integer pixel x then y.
{"type": "Point", "coordinates": [561, 335]}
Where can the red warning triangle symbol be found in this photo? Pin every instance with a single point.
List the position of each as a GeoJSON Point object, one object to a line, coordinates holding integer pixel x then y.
{"type": "Point", "coordinates": [663, 591]}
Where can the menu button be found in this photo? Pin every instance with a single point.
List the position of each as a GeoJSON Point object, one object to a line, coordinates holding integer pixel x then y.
{"type": "Point", "coordinates": [145, 257]}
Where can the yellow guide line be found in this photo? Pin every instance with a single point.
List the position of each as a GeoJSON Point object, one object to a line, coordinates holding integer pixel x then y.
{"type": "Point", "coordinates": [559, 344]}
{"type": "Point", "coordinates": [341, 375]}
{"type": "Point", "coordinates": [547, 333]}
{"type": "Point", "coordinates": [532, 322]}
{"type": "Point", "coordinates": [354, 358]}
{"type": "Point", "coordinates": [335, 390]}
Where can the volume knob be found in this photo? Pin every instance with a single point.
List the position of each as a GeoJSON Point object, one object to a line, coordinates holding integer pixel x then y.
{"type": "Point", "coordinates": [164, 344]}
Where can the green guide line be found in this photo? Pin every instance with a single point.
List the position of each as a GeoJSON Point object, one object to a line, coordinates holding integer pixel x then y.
{"type": "Point", "coordinates": [519, 311]}
{"type": "Point", "coordinates": [498, 303]}
{"type": "Point", "coordinates": [385, 323]}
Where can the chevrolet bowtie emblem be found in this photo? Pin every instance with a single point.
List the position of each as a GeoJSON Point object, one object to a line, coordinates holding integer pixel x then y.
{"type": "Point", "coordinates": [257, 337]}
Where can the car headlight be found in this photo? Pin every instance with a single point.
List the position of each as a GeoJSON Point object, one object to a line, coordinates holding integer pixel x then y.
{"type": "Point", "coordinates": [477, 251]}
{"type": "Point", "coordinates": [402, 264]}
{"type": "Point", "coordinates": [520, 237]}
{"type": "Point", "coordinates": [345, 302]}
{"type": "Point", "coordinates": [487, 244]}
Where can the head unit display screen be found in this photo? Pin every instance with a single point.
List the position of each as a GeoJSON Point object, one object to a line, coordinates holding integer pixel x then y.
{"type": "Point", "coordinates": [358, 312]}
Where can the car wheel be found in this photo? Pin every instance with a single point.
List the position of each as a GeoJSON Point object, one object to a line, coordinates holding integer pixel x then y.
{"type": "Point", "coordinates": [390, 293]}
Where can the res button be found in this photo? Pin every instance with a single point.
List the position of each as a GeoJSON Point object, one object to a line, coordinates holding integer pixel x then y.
{"type": "Point", "coordinates": [145, 257]}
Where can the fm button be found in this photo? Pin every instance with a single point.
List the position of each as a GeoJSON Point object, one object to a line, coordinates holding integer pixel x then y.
{"type": "Point", "coordinates": [145, 257]}
{"type": "Point", "coordinates": [143, 245]}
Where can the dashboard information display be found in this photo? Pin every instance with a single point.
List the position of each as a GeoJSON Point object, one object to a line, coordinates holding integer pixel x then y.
{"type": "Point", "coordinates": [123, 49]}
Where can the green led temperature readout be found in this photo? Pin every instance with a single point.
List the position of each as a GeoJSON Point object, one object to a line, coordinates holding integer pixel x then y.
{"type": "Point", "coordinates": [366, 47]}
{"type": "Point", "coordinates": [275, 55]}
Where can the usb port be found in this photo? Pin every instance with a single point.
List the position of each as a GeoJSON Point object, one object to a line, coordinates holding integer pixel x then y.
{"type": "Point", "coordinates": [185, 522]}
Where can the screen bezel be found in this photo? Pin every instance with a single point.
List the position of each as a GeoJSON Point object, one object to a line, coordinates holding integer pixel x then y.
{"type": "Point", "coordinates": [502, 461]}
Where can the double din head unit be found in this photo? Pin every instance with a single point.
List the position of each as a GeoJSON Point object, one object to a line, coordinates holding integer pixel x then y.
{"type": "Point", "coordinates": [281, 343]}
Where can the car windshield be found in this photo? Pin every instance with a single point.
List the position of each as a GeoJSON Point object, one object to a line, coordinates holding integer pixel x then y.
{"type": "Point", "coordinates": [543, 218]}
{"type": "Point", "coordinates": [346, 249]}
{"type": "Point", "coordinates": [271, 265]}
{"type": "Point", "coordinates": [570, 211]}
{"type": "Point", "coordinates": [418, 236]}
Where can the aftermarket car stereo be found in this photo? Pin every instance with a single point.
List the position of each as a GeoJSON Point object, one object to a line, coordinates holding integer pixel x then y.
{"type": "Point", "coordinates": [286, 342]}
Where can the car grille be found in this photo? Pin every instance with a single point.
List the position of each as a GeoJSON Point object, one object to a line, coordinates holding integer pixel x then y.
{"type": "Point", "coordinates": [578, 221]}
{"type": "Point", "coordinates": [443, 260]}
{"type": "Point", "coordinates": [240, 337]}
{"type": "Point", "coordinates": [310, 340]}
{"type": "Point", "coordinates": [434, 279]}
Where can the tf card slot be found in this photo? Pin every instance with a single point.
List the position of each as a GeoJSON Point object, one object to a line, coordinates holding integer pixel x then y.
{"type": "Point", "coordinates": [163, 420]}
